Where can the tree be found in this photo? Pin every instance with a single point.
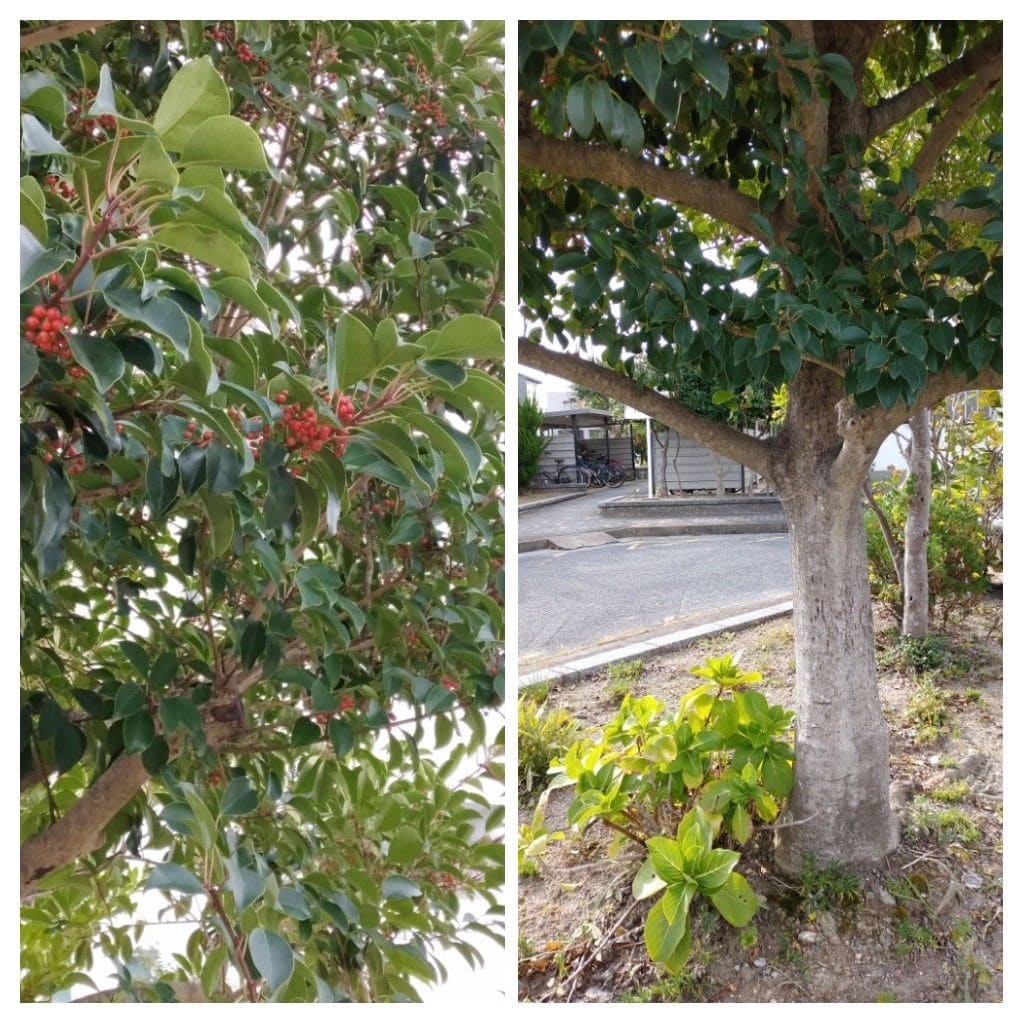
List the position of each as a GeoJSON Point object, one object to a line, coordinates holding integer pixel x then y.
{"type": "Point", "coordinates": [261, 526]}
{"type": "Point", "coordinates": [531, 443]}
{"type": "Point", "coordinates": [915, 535]}
{"type": "Point", "coordinates": [847, 174]}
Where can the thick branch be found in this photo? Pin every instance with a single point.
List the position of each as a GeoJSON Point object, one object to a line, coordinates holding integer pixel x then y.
{"type": "Point", "coordinates": [577, 160]}
{"type": "Point", "coordinates": [184, 992]}
{"type": "Point", "coordinates": [812, 117]}
{"type": "Point", "coordinates": [723, 439]}
{"type": "Point", "coordinates": [891, 543]}
{"type": "Point", "coordinates": [57, 30]}
{"type": "Point", "coordinates": [949, 125]}
{"type": "Point", "coordinates": [948, 212]}
{"type": "Point", "coordinates": [986, 55]}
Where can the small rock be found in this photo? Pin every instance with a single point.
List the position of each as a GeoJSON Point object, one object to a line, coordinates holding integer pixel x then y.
{"type": "Point", "coordinates": [972, 764]}
{"type": "Point", "coordinates": [807, 937]}
{"type": "Point", "coordinates": [901, 794]}
{"type": "Point", "coordinates": [827, 924]}
{"type": "Point", "coordinates": [597, 995]}
{"type": "Point", "coordinates": [885, 897]}
{"type": "Point", "coordinates": [775, 974]}
{"type": "Point", "coordinates": [938, 780]}
{"type": "Point", "coordinates": [760, 962]}
{"type": "Point", "coordinates": [971, 880]}
{"type": "Point", "coordinates": [934, 759]}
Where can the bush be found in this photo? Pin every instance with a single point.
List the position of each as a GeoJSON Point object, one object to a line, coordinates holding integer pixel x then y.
{"type": "Point", "coordinates": [531, 444]}
{"type": "Point", "coordinates": [543, 736]}
{"type": "Point", "coordinates": [718, 763]}
{"type": "Point", "coordinates": [956, 551]}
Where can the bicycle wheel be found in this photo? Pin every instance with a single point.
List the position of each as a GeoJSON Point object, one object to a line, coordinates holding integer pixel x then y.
{"type": "Point", "coordinates": [616, 476]}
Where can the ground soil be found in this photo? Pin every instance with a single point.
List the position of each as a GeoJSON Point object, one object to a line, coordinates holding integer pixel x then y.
{"type": "Point", "coordinates": [923, 926]}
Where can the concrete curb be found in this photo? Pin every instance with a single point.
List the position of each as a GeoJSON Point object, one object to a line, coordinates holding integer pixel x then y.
{"type": "Point", "coordinates": [544, 502]}
{"type": "Point", "coordinates": [693, 528]}
{"type": "Point", "coordinates": [572, 670]}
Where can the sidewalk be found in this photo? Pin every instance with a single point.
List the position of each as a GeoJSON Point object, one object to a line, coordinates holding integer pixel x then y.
{"type": "Point", "coordinates": [578, 522]}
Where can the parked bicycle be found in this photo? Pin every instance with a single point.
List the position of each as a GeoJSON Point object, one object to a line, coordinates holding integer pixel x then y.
{"type": "Point", "coordinates": [605, 472]}
{"type": "Point", "coordinates": [566, 476]}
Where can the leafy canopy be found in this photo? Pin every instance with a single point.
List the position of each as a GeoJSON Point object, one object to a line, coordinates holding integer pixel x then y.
{"type": "Point", "coordinates": [261, 507]}
{"type": "Point", "coordinates": [728, 197]}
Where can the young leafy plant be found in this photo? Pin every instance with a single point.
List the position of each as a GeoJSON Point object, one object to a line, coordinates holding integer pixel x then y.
{"type": "Point", "coordinates": [722, 760]}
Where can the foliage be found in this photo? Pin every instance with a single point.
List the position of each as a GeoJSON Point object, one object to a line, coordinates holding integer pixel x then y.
{"type": "Point", "coordinates": [917, 654]}
{"type": "Point", "coordinates": [544, 735]}
{"type": "Point", "coordinates": [944, 825]}
{"type": "Point", "coordinates": [534, 838]}
{"type": "Point", "coordinates": [531, 444]}
{"type": "Point", "coordinates": [828, 887]}
{"type": "Point", "coordinates": [913, 938]}
{"type": "Point", "coordinates": [726, 100]}
{"type": "Point", "coordinates": [721, 760]}
{"type": "Point", "coordinates": [261, 509]}
{"type": "Point", "coordinates": [956, 551]}
{"type": "Point", "coordinates": [928, 711]}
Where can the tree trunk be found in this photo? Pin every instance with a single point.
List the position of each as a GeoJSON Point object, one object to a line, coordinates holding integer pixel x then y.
{"type": "Point", "coordinates": [915, 546]}
{"type": "Point", "coordinates": [841, 794]}
{"type": "Point", "coordinates": [839, 809]}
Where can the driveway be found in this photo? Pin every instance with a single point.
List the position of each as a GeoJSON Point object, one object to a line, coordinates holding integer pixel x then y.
{"type": "Point", "coordinates": [583, 601]}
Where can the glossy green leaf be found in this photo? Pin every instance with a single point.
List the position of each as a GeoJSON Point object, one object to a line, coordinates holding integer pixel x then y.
{"type": "Point", "coordinates": [195, 94]}
{"type": "Point", "coordinates": [204, 244]}
{"type": "Point", "coordinates": [239, 798]}
{"type": "Point", "coordinates": [173, 877]}
{"type": "Point", "coordinates": [272, 956]}
{"type": "Point", "coordinates": [225, 142]}
{"type": "Point", "coordinates": [100, 357]}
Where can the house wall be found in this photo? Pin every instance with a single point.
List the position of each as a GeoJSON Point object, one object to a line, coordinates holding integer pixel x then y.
{"type": "Point", "coordinates": [691, 466]}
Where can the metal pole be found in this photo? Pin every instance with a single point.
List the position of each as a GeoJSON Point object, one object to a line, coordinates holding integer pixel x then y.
{"type": "Point", "coordinates": [650, 459]}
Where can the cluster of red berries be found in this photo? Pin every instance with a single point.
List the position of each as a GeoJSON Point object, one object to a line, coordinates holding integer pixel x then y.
{"type": "Point", "coordinates": [194, 436]}
{"type": "Point", "coordinates": [74, 460]}
{"type": "Point", "coordinates": [79, 100]}
{"type": "Point", "coordinates": [383, 507]}
{"type": "Point", "coordinates": [426, 109]}
{"type": "Point", "coordinates": [304, 433]}
{"type": "Point", "coordinates": [449, 683]}
{"type": "Point", "coordinates": [59, 187]}
{"type": "Point", "coordinates": [46, 323]}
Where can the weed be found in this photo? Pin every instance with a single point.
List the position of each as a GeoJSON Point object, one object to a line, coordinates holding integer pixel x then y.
{"type": "Point", "coordinates": [537, 692]}
{"type": "Point", "coordinates": [525, 946]}
{"type": "Point", "coordinates": [825, 888]}
{"type": "Point", "coordinates": [534, 839]}
{"type": "Point", "coordinates": [946, 825]}
{"type": "Point", "coordinates": [914, 938]}
{"type": "Point", "coordinates": [951, 794]}
{"type": "Point", "coordinates": [886, 997]}
{"type": "Point", "coordinates": [909, 653]}
{"type": "Point", "coordinates": [928, 711]}
{"type": "Point", "coordinates": [974, 697]}
{"type": "Point", "coordinates": [681, 988]}
{"type": "Point", "coordinates": [543, 735]}
{"type": "Point", "coordinates": [911, 888]}
{"type": "Point", "coordinates": [623, 677]}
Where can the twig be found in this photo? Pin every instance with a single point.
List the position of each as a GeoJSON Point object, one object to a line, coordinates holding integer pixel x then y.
{"type": "Point", "coordinates": [605, 939]}
{"type": "Point", "coordinates": [787, 824]}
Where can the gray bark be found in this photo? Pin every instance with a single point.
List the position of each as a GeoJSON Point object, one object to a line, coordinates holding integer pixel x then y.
{"type": "Point", "coordinates": [915, 546]}
{"type": "Point", "coordinates": [839, 809]}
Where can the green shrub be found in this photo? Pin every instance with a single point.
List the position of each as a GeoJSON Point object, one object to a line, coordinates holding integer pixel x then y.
{"type": "Point", "coordinates": [919, 654]}
{"type": "Point", "coordinates": [623, 676]}
{"type": "Point", "coordinates": [956, 551]}
{"type": "Point", "coordinates": [543, 736]}
{"type": "Point", "coordinates": [825, 888]}
{"type": "Point", "coordinates": [531, 444]}
{"type": "Point", "coordinates": [722, 760]}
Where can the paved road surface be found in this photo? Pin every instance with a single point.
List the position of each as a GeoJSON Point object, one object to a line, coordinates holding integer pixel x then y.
{"type": "Point", "coordinates": [579, 602]}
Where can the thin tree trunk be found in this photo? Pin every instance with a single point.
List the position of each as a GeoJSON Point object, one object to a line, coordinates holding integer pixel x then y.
{"type": "Point", "coordinates": [891, 544]}
{"type": "Point", "coordinates": [915, 546]}
{"type": "Point", "coordinates": [841, 794]}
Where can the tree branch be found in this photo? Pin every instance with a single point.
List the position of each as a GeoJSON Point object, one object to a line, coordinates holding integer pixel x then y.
{"type": "Point", "coordinates": [723, 439]}
{"type": "Point", "coordinates": [987, 54]}
{"type": "Point", "coordinates": [948, 212]}
{"type": "Point", "coordinates": [57, 30]}
{"type": "Point", "coordinates": [949, 125]}
{"type": "Point", "coordinates": [577, 160]}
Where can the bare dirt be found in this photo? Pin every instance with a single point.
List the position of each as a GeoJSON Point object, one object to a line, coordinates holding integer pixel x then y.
{"type": "Point", "coordinates": [923, 926]}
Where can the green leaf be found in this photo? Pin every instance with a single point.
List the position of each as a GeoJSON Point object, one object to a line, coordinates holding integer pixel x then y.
{"type": "Point", "coordinates": [100, 357]}
{"type": "Point", "coordinates": [406, 846]}
{"type": "Point", "coordinates": [239, 798]}
{"type": "Point", "coordinates": [156, 755]}
{"type": "Point", "coordinates": [195, 94]}
{"type": "Point", "coordinates": [735, 900]}
{"type": "Point", "coordinates": [421, 247]}
{"type": "Point", "coordinates": [104, 102]}
{"type": "Point", "coordinates": [139, 732]}
{"type": "Point", "coordinates": [711, 65]}
{"type": "Point", "coordinates": [36, 140]}
{"type": "Point", "coordinates": [205, 244]}
{"type": "Point", "coordinates": [129, 700]}
{"type": "Point", "coordinates": [407, 530]}
{"type": "Point", "coordinates": [646, 882]}
{"type": "Point", "coordinates": [875, 355]}
{"type": "Point", "coordinates": [644, 63]}
{"type": "Point", "coordinates": [714, 868]}
{"type": "Point", "coordinates": [241, 291]}
{"type": "Point", "coordinates": [272, 956]}
{"type": "Point", "coordinates": [225, 142]}
{"type": "Point", "coordinates": [469, 336]}
{"type": "Point", "coordinates": [342, 736]}
{"type": "Point", "coordinates": [355, 356]}
{"type": "Point", "coordinates": [280, 501]}
{"type": "Point", "coordinates": [398, 887]}
{"type": "Point", "coordinates": [293, 902]}
{"type": "Point", "coordinates": [247, 885]}
{"type": "Point", "coordinates": [579, 110]}
{"type": "Point", "coordinates": [174, 878]}
{"type": "Point", "coordinates": [667, 943]}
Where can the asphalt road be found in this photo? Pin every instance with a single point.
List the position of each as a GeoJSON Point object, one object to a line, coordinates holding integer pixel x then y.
{"type": "Point", "coordinates": [580, 602]}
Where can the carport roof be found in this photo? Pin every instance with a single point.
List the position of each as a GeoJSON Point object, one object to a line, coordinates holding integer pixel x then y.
{"type": "Point", "coordinates": [580, 417]}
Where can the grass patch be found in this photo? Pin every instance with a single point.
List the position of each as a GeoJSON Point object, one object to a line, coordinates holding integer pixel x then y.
{"type": "Point", "coordinates": [928, 712]}
{"type": "Point", "coordinates": [946, 825]}
{"type": "Point", "coordinates": [543, 735]}
{"type": "Point", "coordinates": [914, 938]}
{"type": "Point", "coordinates": [913, 654]}
{"type": "Point", "coordinates": [951, 794]}
{"type": "Point", "coordinates": [830, 887]}
{"type": "Point", "coordinates": [623, 676]}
